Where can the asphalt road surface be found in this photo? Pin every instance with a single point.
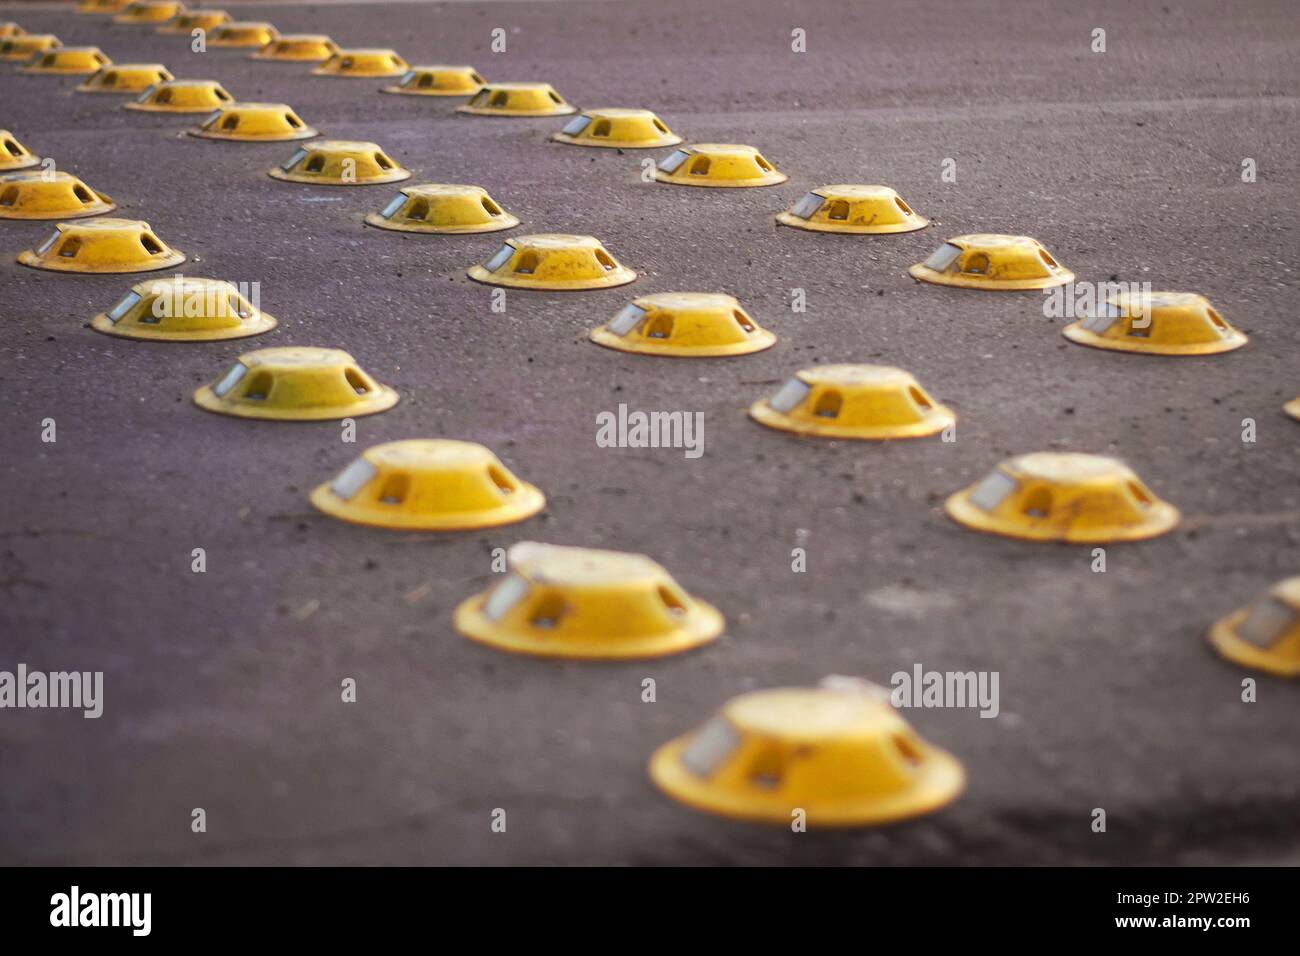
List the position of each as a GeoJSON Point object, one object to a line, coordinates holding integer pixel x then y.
{"type": "Point", "coordinates": [222, 689]}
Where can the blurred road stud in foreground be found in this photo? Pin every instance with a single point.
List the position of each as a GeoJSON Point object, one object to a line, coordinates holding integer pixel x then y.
{"type": "Point", "coordinates": [297, 48]}
{"type": "Point", "coordinates": [587, 604]}
{"type": "Point", "coordinates": [1292, 408]}
{"type": "Point", "coordinates": [1063, 496]}
{"type": "Point", "coordinates": [363, 63]}
{"type": "Point", "coordinates": [183, 309]}
{"type": "Point", "coordinates": [853, 401]}
{"type": "Point", "coordinates": [684, 325]}
{"type": "Point", "coordinates": [126, 78]}
{"type": "Point", "coordinates": [68, 61]}
{"type": "Point", "coordinates": [243, 34]}
{"type": "Point", "coordinates": [517, 99]}
{"type": "Point", "coordinates": [10, 29]}
{"type": "Point", "coordinates": [1264, 635]}
{"type": "Point", "coordinates": [338, 162]}
{"type": "Point", "coordinates": [102, 246]}
{"type": "Point", "coordinates": [725, 165]}
{"type": "Point", "coordinates": [552, 261]}
{"type": "Point", "coordinates": [840, 757]}
{"type": "Point", "coordinates": [296, 383]}
{"type": "Point", "coordinates": [41, 194]}
{"type": "Point", "coordinates": [443, 208]}
{"type": "Point", "coordinates": [254, 123]}
{"type": "Point", "coordinates": [428, 485]}
{"type": "Point", "coordinates": [617, 129]}
{"type": "Point", "coordinates": [1156, 323]}
{"type": "Point", "coordinates": [985, 261]}
{"type": "Point", "coordinates": [859, 210]}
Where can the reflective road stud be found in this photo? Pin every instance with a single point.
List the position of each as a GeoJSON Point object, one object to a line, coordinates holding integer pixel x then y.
{"type": "Point", "coordinates": [27, 45]}
{"type": "Point", "coordinates": [243, 34]}
{"type": "Point", "coordinates": [10, 29]}
{"type": "Point", "coordinates": [182, 96]}
{"type": "Point", "coordinates": [190, 20]}
{"type": "Point", "coordinates": [338, 162]}
{"type": "Point", "coordinates": [183, 309]}
{"type": "Point", "coordinates": [296, 384]}
{"type": "Point", "coordinates": [126, 78]}
{"type": "Point", "coordinates": [984, 261]}
{"type": "Point", "coordinates": [42, 194]}
{"type": "Point", "coordinates": [517, 99]}
{"type": "Point", "coordinates": [428, 485]}
{"type": "Point", "coordinates": [102, 246]}
{"type": "Point", "coordinates": [442, 208]}
{"type": "Point", "coordinates": [551, 261]}
{"type": "Point", "coordinates": [13, 154]}
{"type": "Point", "coordinates": [1160, 323]}
{"type": "Point", "coordinates": [1292, 408]}
{"type": "Point", "coordinates": [853, 401]}
{"type": "Point", "coordinates": [860, 210]}
{"type": "Point", "coordinates": [102, 6]}
{"type": "Point", "coordinates": [724, 165]}
{"type": "Point", "coordinates": [684, 325]}
{"type": "Point", "coordinates": [587, 604]}
{"type": "Point", "coordinates": [1264, 635]}
{"type": "Point", "coordinates": [437, 80]}
{"type": "Point", "coordinates": [68, 61]}
{"type": "Point", "coordinates": [617, 129]}
{"type": "Point", "coordinates": [298, 48]}
{"type": "Point", "coordinates": [254, 122]}
{"type": "Point", "coordinates": [363, 63]}
{"type": "Point", "coordinates": [1063, 496]}
{"type": "Point", "coordinates": [149, 11]}
{"type": "Point", "coordinates": [843, 757]}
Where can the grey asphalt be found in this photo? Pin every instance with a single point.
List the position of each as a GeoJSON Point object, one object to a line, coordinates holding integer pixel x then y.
{"type": "Point", "coordinates": [222, 689]}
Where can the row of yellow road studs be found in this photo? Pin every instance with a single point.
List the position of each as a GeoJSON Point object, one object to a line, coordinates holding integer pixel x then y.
{"type": "Point", "coordinates": [839, 752]}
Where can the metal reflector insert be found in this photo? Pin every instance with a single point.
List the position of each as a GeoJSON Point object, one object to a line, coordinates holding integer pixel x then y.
{"type": "Point", "coordinates": [212, 118]}
{"type": "Point", "coordinates": [943, 257]}
{"type": "Point", "coordinates": [146, 94]}
{"type": "Point", "coordinates": [810, 203]}
{"type": "Point", "coordinates": [505, 596]}
{"type": "Point", "coordinates": [1103, 318]}
{"type": "Point", "coordinates": [501, 258]}
{"type": "Point", "coordinates": [294, 160]}
{"type": "Point", "coordinates": [353, 478]}
{"type": "Point", "coordinates": [391, 209]}
{"type": "Point", "coordinates": [1268, 619]}
{"type": "Point", "coordinates": [577, 125]}
{"type": "Point", "coordinates": [992, 491]}
{"type": "Point", "coordinates": [791, 394]}
{"type": "Point", "coordinates": [670, 164]}
{"type": "Point", "coordinates": [125, 306]}
{"type": "Point", "coordinates": [711, 745]}
{"type": "Point", "coordinates": [231, 379]}
{"type": "Point", "coordinates": [406, 79]}
{"type": "Point", "coordinates": [44, 247]}
{"type": "Point", "coordinates": [627, 320]}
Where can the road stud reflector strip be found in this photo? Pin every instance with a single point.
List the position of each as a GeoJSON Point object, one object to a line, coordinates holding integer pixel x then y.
{"type": "Point", "coordinates": [1158, 323]}
{"type": "Point", "coordinates": [437, 80]}
{"type": "Point", "coordinates": [684, 325]}
{"type": "Point", "coordinates": [1264, 635]}
{"type": "Point", "coordinates": [183, 309]}
{"type": "Point", "coordinates": [295, 384]}
{"type": "Point", "coordinates": [339, 162]}
{"type": "Point", "coordinates": [42, 194]}
{"type": "Point", "coordinates": [858, 210]}
{"type": "Point", "coordinates": [126, 78]}
{"type": "Point", "coordinates": [1063, 496]}
{"type": "Point", "coordinates": [722, 165]}
{"type": "Point", "coordinates": [553, 261]}
{"type": "Point", "coordinates": [149, 11]}
{"type": "Point", "coordinates": [363, 63]}
{"type": "Point", "coordinates": [873, 402]}
{"type": "Point", "coordinates": [844, 757]}
{"type": "Point", "coordinates": [297, 48]}
{"type": "Point", "coordinates": [68, 61]}
{"type": "Point", "coordinates": [617, 129]}
{"type": "Point", "coordinates": [102, 6]}
{"type": "Point", "coordinates": [254, 122]}
{"type": "Point", "coordinates": [428, 485]}
{"type": "Point", "coordinates": [587, 604]}
{"type": "Point", "coordinates": [13, 154]}
{"type": "Point", "coordinates": [243, 34]}
{"type": "Point", "coordinates": [102, 246]}
{"type": "Point", "coordinates": [442, 208]}
{"type": "Point", "coordinates": [182, 96]}
{"type": "Point", "coordinates": [985, 261]}
{"type": "Point", "coordinates": [27, 45]}
{"type": "Point", "coordinates": [1292, 408]}
{"type": "Point", "coordinates": [517, 99]}
{"type": "Point", "coordinates": [10, 29]}
{"type": "Point", "coordinates": [187, 21]}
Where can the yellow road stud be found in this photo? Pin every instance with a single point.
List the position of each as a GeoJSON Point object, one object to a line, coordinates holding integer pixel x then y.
{"type": "Point", "coordinates": [131, 78]}
{"type": "Point", "coordinates": [255, 123]}
{"type": "Point", "coordinates": [363, 63]}
{"type": "Point", "coordinates": [874, 402]}
{"type": "Point", "coordinates": [1063, 496]}
{"type": "Point", "coordinates": [10, 29]}
{"type": "Point", "coordinates": [183, 309]}
{"type": "Point", "coordinates": [102, 246]}
{"type": "Point", "coordinates": [243, 34]}
{"type": "Point", "coordinates": [102, 6]}
{"type": "Point", "coordinates": [149, 11]}
{"type": "Point", "coordinates": [582, 603]}
{"type": "Point", "coordinates": [1264, 635]}
{"type": "Point", "coordinates": [13, 154]}
{"type": "Point", "coordinates": [46, 194]}
{"type": "Point", "coordinates": [857, 210]}
{"type": "Point", "coordinates": [297, 48]}
{"type": "Point", "coordinates": [721, 165]}
{"type": "Point", "coordinates": [684, 325]}
{"type": "Point", "coordinates": [838, 757]}
{"type": "Point", "coordinates": [985, 261]}
{"type": "Point", "coordinates": [1292, 408]}
{"type": "Point", "coordinates": [442, 208]}
{"type": "Point", "coordinates": [517, 99]}
{"type": "Point", "coordinates": [25, 46]}
{"type": "Point", "coordinates": [428, 485]}
{"type": "Point", "coordinates": [1156, 323]}
{"type": "Point", "coordinates": [187, 21]}
{"type": "Point", "coordinates": [68, 61]}
{"type": "Point", "coordinates": [339, 162]}
{"type": "Point", "coordinates": [617, 129]}
{"type": "Point", "coordinates": [296, 383]}
{"type": "Point", "coordinates": [437, 80]}
{"type": "Point", "coordinates": [552, 261]}
{"type": "Point", "coordinates": [182, 96]}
